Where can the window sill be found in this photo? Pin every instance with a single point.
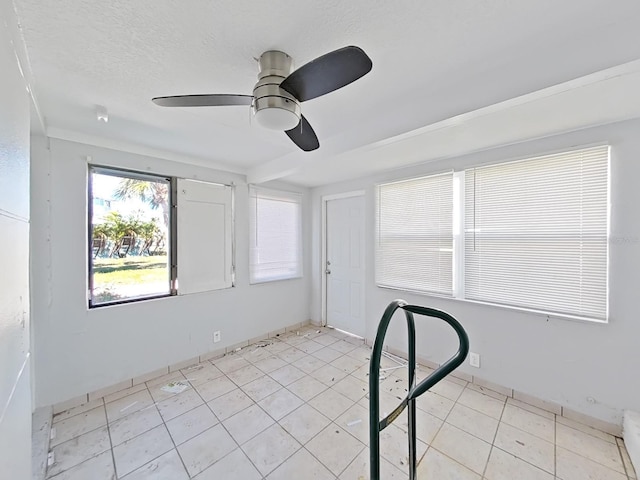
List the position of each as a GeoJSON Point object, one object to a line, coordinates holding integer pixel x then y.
{"type": "Point", "coordinates": [271, 280]}
{"type": "Point", "coordinates": [129, 300]}
{"type": "Point", "coordinates": [541, 313]}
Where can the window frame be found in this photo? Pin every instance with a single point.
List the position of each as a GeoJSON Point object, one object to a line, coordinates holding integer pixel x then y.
{"type": "Point", "coordinates": [172, 230]}
{"type": "Point", "coordinates": [459, 233]}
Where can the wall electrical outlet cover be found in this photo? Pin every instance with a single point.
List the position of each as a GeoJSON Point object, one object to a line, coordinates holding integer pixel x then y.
{"type": "Point", "coordinates": [216, 336]}
{"type": "Point", "coordinates": [474, 359]}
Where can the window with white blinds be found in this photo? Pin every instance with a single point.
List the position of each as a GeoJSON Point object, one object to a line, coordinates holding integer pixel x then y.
{"type": "Point", "coordinates": [275, 235]}
{"type": "Point", "coordinates": [414, 245]}
{"type": "Point", "coordinates": [536, 233]}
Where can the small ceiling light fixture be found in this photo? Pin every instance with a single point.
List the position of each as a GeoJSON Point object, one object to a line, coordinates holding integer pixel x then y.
{"type": "Point", "coordinates": [101, 114]}
{"type": "Point", "coordinates": [276, 118]}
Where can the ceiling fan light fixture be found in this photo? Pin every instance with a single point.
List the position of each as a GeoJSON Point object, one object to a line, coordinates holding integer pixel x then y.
{"type": "Point", "coordinates": [277, 118]}
{"type": "Point", "coordinates": [277, 96]}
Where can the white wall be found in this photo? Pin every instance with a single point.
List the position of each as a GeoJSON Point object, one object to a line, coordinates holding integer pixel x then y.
{"type": "Point", "coordinates": [80, 350]}
{"type": "Point", "coordinates": [554, 359]}
{"type": "Point", "coordinates": [15, 381]}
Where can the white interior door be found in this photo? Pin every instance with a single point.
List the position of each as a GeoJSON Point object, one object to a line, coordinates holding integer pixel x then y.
{"type": "Point", "coordinates": [345, 264]}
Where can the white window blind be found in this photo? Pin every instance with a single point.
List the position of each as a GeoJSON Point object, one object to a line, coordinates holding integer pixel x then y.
{"type": "Point", "coordinates": [276, 235]}
{"type": "Point", "coordinates": [536, 233]}
{"type": "Point", "coordinates": [414, 247]}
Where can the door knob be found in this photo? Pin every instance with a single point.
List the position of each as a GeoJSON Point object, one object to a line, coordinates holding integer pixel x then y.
{"type": "Point", "coordinates": [327, 271]}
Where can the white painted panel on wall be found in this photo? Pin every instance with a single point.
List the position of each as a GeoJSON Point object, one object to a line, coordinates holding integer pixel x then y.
{"type": "Point", "coordinates": [204, 236]}
{"type": "Point", "coordinates": [14, 301]}
{"type": "Point", "coordinates": [15, 379]}
{"type": "Point", "coordinates": [15, 429]}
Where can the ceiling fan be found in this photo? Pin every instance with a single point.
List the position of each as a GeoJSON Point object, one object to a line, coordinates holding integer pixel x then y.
{"type": "Point", "coordinates": [277, 95]}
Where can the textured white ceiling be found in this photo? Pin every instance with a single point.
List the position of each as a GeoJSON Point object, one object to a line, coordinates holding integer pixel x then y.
{"type": "Point", "coordinates": [433, 60]}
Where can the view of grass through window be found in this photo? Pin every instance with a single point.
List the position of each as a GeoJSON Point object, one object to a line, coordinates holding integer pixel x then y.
{"type": "Point", "coordinates": [129, 236]}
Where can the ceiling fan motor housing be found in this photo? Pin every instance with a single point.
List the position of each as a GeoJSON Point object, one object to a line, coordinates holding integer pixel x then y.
{"type": "Point", "coordinates": [273, 107]}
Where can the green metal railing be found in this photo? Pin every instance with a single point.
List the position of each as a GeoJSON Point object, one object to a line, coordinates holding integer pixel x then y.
{"type": "Point", "coordinates": [414, 391]}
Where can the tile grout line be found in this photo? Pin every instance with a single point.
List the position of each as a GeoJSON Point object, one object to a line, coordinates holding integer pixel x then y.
{"type": "Point", "coordinates": [495, 435]}
{"type": "Point", "coordinates": [321, 430]}
{"type": "Point", "coordinates": [444, 420]}
{"type": "Point", "coordinates": [348, 464]}
{"type": "Point", "coordinates": [520, 458]}
{"type": "Point", "coordinates": [154, 404]}
{"type": "Point", "coordinates": [506, 423]}
{"type": "Point", "coordinates": [220, 422]}
{"type": "Point", "coordinates": [586, 432]}
{"type": "Point", "coordinates": [580, 454]}
{"type": "Point", "coordinates": [624, 465]}
{"type": "Point", "coordinates": [277, 422]}
{"type": "Point", "coordinates": [175, 447]}
{"type": "Point", "coordinates": [331, 422]}
{"type": "Point", "coordinates": [106, 425]}
{"type": "Point", "coordinates": [50, 448]}
{"type": "Point", "coordinates": [532, 412]}
{"type": "Point", "coordinates": [113, 456]}
{"type": "Point", "coordinates": [267, 413]}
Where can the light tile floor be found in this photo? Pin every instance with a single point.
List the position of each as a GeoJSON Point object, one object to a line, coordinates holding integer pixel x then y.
{"type": "Point", "coordinates": [296, 407]}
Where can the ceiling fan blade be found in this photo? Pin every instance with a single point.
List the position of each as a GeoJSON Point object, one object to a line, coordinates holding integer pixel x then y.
{"type": "Point", "coordinates": [327, 73]}
{"type": "Point", "coordinates": [304, 136]}
{"type": "Point", "coordinates": [203, 100]}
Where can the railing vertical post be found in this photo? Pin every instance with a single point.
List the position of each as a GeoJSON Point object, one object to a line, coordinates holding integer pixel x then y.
{"type": "Point", "coordinates": [411, 334]}
{"type": "Point", "coordinates": [374, 389]}
{"type": "Point", "coordinates": [374, 408]}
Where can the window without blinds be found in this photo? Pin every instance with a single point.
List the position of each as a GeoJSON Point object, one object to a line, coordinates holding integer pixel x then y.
{"type": "Point", "coordinates": [536, 233]}
{"type": "Point", "coordinates": [414, 245]}
{"type": "Point", "coordinates": [276, 235]}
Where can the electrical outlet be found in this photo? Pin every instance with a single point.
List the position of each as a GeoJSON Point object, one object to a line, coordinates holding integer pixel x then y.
{"type": "Point", "coordinates": [216, 336]}
{"type": "Point", "coordinates": [474, 359]}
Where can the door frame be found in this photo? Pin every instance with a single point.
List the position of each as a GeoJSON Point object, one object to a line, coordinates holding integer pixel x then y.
{"type": "Point", "coordinates": [323, 256]}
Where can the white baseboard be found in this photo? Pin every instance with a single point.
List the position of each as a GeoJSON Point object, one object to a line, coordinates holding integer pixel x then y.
{"type": "Point", "coordinates": [631, 435]}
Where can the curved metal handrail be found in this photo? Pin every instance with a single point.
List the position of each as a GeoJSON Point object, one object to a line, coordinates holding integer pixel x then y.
{"type": "Point", "coordinates": [414, 391]}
